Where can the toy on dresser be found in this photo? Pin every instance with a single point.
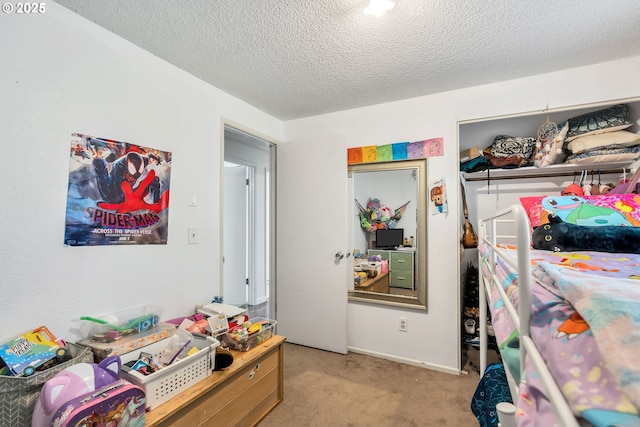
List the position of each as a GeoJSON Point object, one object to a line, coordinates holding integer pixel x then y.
{"type": "Point", "coordinates": [88, 392]}
{"type": "Point", "coordinates": [120, 404]}
{"type": "Point", "coordinates": [33, 351]}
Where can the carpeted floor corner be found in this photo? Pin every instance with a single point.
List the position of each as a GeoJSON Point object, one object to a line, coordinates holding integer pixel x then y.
{"type": "Point", "coordinates": [324, 389]}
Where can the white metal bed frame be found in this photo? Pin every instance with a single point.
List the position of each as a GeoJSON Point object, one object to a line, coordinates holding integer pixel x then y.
{"type": "Point", "coordinates": [521, 318]}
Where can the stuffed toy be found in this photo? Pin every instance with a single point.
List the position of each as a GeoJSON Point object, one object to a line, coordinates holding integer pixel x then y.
{"type": "Point", "coordinates": [559, 236]}
{"type": "Point", "coordinates": [378, 216]}
{"type": "Point", "coordinates": [386, 213]}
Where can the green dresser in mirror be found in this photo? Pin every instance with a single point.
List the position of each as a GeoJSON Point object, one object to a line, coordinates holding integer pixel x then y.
{"type": "Point", "coordinates": [401, 267]}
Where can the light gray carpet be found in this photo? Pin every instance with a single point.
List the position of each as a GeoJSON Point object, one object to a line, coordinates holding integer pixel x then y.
{"type": "Point", "coordinates": [324, 389]}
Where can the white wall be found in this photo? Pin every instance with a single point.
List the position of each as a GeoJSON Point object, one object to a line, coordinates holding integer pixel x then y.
{"type": "Point", "coordinates": [60, 74]}
{"type": "Point", "coordinates": [433, 336]}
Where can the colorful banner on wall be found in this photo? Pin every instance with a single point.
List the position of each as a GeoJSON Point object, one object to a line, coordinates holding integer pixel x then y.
{"type": "Point", "coordinates": [118, 193]}
{"type": "Point", "coordinates": [396, 151]}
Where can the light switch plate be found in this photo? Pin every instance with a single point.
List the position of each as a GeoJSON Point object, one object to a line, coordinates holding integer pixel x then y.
{"type": "Point", "coordinates": [192, 199]}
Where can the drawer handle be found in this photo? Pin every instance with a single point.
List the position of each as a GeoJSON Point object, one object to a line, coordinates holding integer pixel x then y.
{"type": "Point", "coordinates": [253, 371]}
{"type": "Point", "coordinates": [400, 278]}
{"type": "Point", "coordinates": [399, 261]}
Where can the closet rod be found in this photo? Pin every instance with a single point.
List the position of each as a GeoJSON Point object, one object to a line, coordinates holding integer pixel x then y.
{"type": "Point", "coordinates": [492, 177]}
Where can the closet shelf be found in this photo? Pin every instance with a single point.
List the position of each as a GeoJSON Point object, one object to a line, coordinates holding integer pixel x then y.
{"type": "Point", "coordinates": [558, 170]}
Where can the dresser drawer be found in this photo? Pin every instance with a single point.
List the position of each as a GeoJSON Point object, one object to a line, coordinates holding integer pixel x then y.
{"type": "Point", "coordinates": [257, 381]}
{"type": "Point", "coordinates": [246, 378]}
{"type": "Point", "coordinates": [263, 393]}
{"type": "Point", "coordinates": [401, 278]}
{"type": "Point", "coordinates": [401, 262]}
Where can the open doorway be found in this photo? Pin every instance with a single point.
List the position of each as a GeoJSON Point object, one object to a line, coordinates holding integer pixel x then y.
{"type": "Point", "coordinates": [247, 268]}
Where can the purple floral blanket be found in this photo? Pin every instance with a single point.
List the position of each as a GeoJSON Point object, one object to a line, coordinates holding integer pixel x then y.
{"type": "Point", "coordinates": [586, 320]}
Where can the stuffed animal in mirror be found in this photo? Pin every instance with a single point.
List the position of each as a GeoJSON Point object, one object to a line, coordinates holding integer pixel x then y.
{"type": "Point", "coordinates": [560, 236]}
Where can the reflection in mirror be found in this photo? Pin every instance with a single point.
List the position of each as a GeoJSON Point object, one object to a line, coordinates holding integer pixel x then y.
{"type": "Point", "coordinates": [389, 233]}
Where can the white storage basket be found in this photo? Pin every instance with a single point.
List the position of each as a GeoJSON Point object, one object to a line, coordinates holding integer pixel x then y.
{"type": "Point", "coordinates": [169, 381]}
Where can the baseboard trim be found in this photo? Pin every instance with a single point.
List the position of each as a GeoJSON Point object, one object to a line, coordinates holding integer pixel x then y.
{"type": "Point", "coordinates": [418, 363]}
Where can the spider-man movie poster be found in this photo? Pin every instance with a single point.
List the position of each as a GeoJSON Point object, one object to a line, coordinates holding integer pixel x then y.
{"type": "Point", "coordinates": [118, 193]}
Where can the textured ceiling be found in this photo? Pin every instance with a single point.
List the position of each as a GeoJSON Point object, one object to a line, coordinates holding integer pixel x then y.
{"type": "Point", "coordinates": [295, 58]}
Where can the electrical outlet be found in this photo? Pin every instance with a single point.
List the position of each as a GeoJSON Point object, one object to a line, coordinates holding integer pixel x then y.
{"type": "Point", "coordinates": [402, 324]}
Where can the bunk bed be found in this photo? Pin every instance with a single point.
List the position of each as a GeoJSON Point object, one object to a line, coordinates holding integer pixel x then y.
{"type": "Point", "coordinates": [572, 319]}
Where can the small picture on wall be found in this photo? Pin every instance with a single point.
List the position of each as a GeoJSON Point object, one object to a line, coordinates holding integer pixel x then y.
{"type": "Point", "coordinates": [438, 197]}
{"type": "Point", "coordinates": [118, 193]}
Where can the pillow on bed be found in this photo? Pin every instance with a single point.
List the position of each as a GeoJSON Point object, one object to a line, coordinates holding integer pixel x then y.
{"type": "Point", "coordinates": [601, 121]}
{"type": "Point", "coordinates": [617, 139]}
{"type": "Point", "coordinates": [605, 209]}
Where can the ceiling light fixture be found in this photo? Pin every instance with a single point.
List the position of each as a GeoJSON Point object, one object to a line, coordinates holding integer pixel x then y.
{"type": "Point", "coordinates": [379, 7]}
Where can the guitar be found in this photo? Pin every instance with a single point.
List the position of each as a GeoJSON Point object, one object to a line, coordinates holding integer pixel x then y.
{"type": "Point", "coordinates": [469, 237]}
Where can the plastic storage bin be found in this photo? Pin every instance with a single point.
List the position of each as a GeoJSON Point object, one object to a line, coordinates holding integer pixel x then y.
{"type": "Point", "coordinates": [247, 343]}
{"type": "Point", "coordinates": [129, 343]}
{"type": "Point", "coordinates": [371, 265]}
{"type": "Point", "coordinates": [171, 380]}
{"type": "Point", "coordinates": [121, 323]}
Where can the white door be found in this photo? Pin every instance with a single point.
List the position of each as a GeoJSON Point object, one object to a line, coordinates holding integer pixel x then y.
{"type": "Point", "coordinates": [311, 227]}
{"type": "Point", "coordinates": [234, 288]}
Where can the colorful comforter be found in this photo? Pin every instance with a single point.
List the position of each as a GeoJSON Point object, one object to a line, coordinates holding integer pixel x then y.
{"type": "Point", "coordinates": [586, 324]}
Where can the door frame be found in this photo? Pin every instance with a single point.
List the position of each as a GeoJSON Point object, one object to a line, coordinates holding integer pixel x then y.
{"type": "Point", "coordinates": [272, 279]}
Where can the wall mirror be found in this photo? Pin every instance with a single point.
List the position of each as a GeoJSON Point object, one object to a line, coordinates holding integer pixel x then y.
{"type": "Point", "coordinates": [389, 232]}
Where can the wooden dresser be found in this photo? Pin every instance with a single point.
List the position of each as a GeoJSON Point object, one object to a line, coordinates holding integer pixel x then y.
{"type": "Point", "coordinates": [379, 284]}
{"type": "Point", "coordinates": [240, 395]}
